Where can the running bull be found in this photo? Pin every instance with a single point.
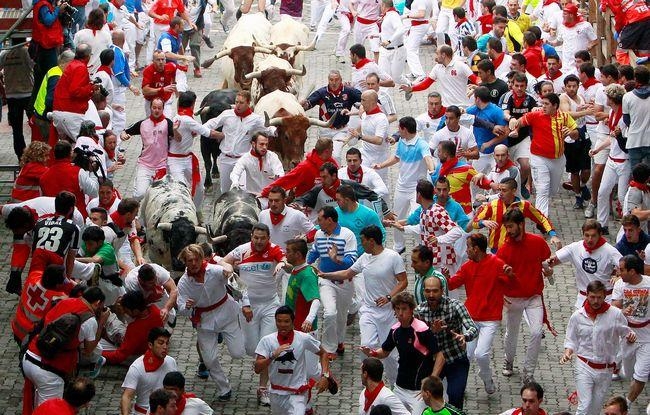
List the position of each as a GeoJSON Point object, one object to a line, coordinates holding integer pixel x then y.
{"type": "Point", "coordinates": [235, 212]}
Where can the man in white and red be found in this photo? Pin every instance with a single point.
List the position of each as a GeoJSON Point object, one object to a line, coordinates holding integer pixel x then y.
{"type": "Point", "coordinates": [42, 288]}
{"type": "Point", "coordinates": [356, 172]}
{"type": "Point", "coordinates": [44, 376]}
{"type": "Point", "coordinates": [107, 198]}
{"type": "Point", "coordinates": [373, 133]}
{"type": "Point", "coordinates": [466, 147]}
{"type": "Point", "coordinates": [593, 258]}
{"type": "Point", "coordinates": [285, 222]}
{"type": "Point", "coordinates": [575, 33]}
{"type": "Point", "coordinates": [182, 162]}
{"type": "Point", "coordinates": [362, 67]}
{"type": "Point", "coordinates": [237, 127]}
{"type": "Point", "coordinates": [500, 59]}
{"type": "Point", "coordinates": [72, 93]}
{"type": "Point", "coordinates": [156, 131]}
{"type": "Point", "coordinates": [257, 168]}
{"type": "Point", "coordinates": [366, 13]}
{"type": "Point", "coordinates": [125, 227]}
{"type": "Point", "coordinates": [159, 81]}
{"type": "Point", "coordinates": [554, 73]}
{"type": "Point", "coordinates": [433, 119]}
{"type": "Point", "coordinates": [392, 53]}
{"type": "Point", "coordinates": [631, 293]}
{"type": "Point", "coordinates": [203, 297]}
{"type": "Point", "coordinates": [526, 253]}
{"type": "Point", "coordinates": [419, 13]}
{"type": "Point", "coordinates": [186, 403]}
{"type": "Point", "coordinates": [375, 392]}
{"type": "Point", "coordinates": [162, 12]}
{"type": "Point", "coordinates": [452, 74]}
{"type": "Point", "coordinates": [504, 168]}
{"type": "Point", "coordinates": [632, 22]}
{"type": "Point", "coordinates": [157, 287]}
{"type": "Point", "coordinates": [259, 262]}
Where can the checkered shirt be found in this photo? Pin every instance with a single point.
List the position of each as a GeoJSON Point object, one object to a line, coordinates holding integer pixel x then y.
{"type": "Point", "coordinates": [435, 221]}
{"type": "Point", "coordinates": [457, 319]}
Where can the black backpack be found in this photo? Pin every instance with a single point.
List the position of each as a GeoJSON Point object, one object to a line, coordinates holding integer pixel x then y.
{"type": "Point", "coordinates": [55, 337]}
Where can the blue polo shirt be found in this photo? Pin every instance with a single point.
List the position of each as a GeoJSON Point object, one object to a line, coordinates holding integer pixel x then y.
{"type": "Point", "coordinates": [493, 114]}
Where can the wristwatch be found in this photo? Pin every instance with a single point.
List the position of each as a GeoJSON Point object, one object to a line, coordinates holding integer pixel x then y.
{"type": "Point", "coordinates": [388, 297]}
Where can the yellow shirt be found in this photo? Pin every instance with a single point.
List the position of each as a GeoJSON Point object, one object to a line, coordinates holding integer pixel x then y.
{"type": "Point", "coordinates": [452, 4]}
{"type": "Point", "coordinates": [523, 20]}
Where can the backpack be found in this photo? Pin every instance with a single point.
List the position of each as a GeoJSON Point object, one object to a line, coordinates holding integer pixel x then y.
{"type": "Point", "coordinates": [55, 337]}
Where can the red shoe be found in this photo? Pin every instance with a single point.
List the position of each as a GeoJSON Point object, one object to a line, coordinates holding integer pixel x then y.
{"type": "Point", "coordinates": [567, 186]}
{"type": "Point", "coordinates": [197, 73]}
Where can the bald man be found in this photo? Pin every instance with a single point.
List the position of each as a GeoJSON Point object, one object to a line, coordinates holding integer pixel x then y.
{"type": "Point", "coordinates": [373, 133]}
{"type": "Point", "coordinates": [121, 81]}
{"type": "Point", "coordinates": [504, 168]}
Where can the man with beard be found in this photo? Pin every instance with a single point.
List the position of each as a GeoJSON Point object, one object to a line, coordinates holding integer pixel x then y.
{"type": "Point", "coordinates": [260, 166]}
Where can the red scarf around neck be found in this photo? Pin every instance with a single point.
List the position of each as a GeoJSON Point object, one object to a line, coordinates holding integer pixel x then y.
{"type": "Point", "coordinates": [201, 272]}
{"type": "Point", "coordinates": [641, 186]}
{"type": "Point", "coordinates": [590, 82]}
{"type": "Point", "coordinates": [461, 21]}
{"type": "Point", "coordinates": [107, 69]}
{"type": "Point", "coordinates": [440, 113]}
{"type": "Point", "coordinates": [260, 159]}
{"type": "Point", "coordinates": [602, 241]}
{"type": "Point", "coordinates": [248, 111]}
{"type": "Point", "coordinates": [336, 91]}
{"type": "Point", "coordinates": [181, 401]}
{"type": "Point", "coordinates": [151, 362]}
{"type": "Point", "coordinates": [578, 19]}
{"type": "Point", "coordinates": [157, 120]}
{"type": "Point", "coordinates": [371, 396]}
{"type": "Point", "coordinates": [505, 167]}
{"type": "Point", "coordinates": [553, 78]}
{"type": "Point", "coordinates": [331, 191]}
{"type": "Point", "coordinates": [186, 111]}
{"type": "Point", "coordinates": [276, 217]}
{"type": "Point", "coordinates": [447, 166]}
{"type": "Point", "coordinates": [288, 339]}
{"type": "Point", "coordinates": [593, 313]}
{"type": "Point", "coordinates": [361, 63]}
{"type": "Point", "coordinates": [498, 59]}
{"type": "Point", "coordinates": [520, 411]}
{"type": "Point", "coordinates": [110, 202]}
{"type": "Point", "coordinates": [375, 110]}
{"type": "Point", "coordinates": [549, 2]}
{"type": "Point", "coordinates": [174, 34]}
{"type": "Point", "coordinates": [614, 118]}
{"type": "Point", "coordinates": [358, 176]}
{"type": "Point", "coordinates": [518, 100]}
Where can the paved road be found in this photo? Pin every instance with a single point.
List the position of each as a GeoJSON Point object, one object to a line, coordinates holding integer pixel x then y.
{"type": "Point", "coordinates": [557, 380]}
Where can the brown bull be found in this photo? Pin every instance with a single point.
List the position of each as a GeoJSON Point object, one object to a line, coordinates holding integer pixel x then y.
{"type": "Point", "coordinates": [273, 79]}
{"type": "Point", "coordinates": [242, 64]}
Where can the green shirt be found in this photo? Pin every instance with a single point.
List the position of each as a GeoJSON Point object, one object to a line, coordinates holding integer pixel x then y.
{"type": "Point", "coordinates": [302, 289]}
{"type": "Point", "coordinates": [419, 284]}
{"type": "Point", "coordinates": [446, 410]}
{"type": "Point", "coordinates": [109, 261]}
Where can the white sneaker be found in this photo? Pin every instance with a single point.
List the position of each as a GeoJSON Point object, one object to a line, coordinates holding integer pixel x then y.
{"type": "Point", "coordinates": [507, 369]}
{"type": "Point", "coordinates": [263, 397]}
{"type": "Point", "coordinates": [589, 211]}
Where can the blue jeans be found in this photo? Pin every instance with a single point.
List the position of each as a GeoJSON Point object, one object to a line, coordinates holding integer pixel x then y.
{"type": "Point", "coordinates": [456, 373]}
{"type": "Point", "coordinates": [639, 155]}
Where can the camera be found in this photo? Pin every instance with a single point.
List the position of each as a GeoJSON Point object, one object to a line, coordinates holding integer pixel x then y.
{"type": "Point", "coordinates": [66, 15]}
{"type": "Point", "coordinates": [102, 90]}
{"type": "Point", "coordinates": [89, 160]}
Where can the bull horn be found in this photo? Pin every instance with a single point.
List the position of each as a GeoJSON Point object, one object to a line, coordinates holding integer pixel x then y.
{"type": "Point", "coordinates": [297, 72]}
{"type": "Point", "coordinates": [321, 123]}
{"type": "Point", "coordinates": [207, 63]}
{"type": "Point", "coordinates": [200, 230]}
{"type": "Point", "coordinates": [256, 74]}
{"type": "Point", "coordinates": [164, 226]}
{"type": "Point", "coordinates": [202, 111]}
{"type": "Point", "coordinates": [218, 239]}
{"type": "Point", "coordinates": [311, 46]}
{"type": "Point", "coordinates": [261, 49]}
{"type": "Point", "coordinates": [275, 121]}
{"type": "Point", "coordinates": [222, 53]}
{"type": "Point", "coordinates": [256, 42]}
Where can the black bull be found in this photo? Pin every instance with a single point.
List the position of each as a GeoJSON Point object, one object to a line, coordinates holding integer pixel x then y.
{"type": "Point", "coordinates": [235, 212]}
{"type": "Point", "coordinates": [212, 105]}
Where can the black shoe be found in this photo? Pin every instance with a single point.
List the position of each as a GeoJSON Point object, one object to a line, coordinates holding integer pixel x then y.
{"type": "Point", "coordinates": [215, 173]}
{"type": "Point", "coordinates": [585, 193]}
{"type": "Point", "coordinates": [219, 338]}
{"type": "Point", "coordinates": [579, 204]}
{"type": "Point", "coordinates": [207, 41]}
{"type": "Point", "coordinates": [340, 349]}
{"type": "Point", "coordinates": [225, 397]}
{"type": "Point", "coordinates": [332, 385]}
{"type": "Point", "coordinates": [14, 285]}
{"type": "Point", "coordinates": [202, 372]}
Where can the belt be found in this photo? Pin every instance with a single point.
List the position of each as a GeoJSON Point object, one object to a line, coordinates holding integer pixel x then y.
{"type": "Point", "coordinates": [393, 47]}
{"type": "Point", "coordinates": [638, 325]}
{"type": "Point", "coordinates": [419, 22]}
{"type": "Point", "coordinates": [608, 292]}
{"type": "Point", "coordinates": [46, 367]}
{"type": "Point", "coordinates": [594, 365]}
{"type": "Point", "coordinates": [178, 155]}
{"type": "Point", "coordinates": [297, 391]}
{"type": "Point", "coordinates": [617, 160]}
{"type": "Point", "coordinates": [140, 409]}
{"type": "Point", "coordinates": [198, 311]}
{"type": "Point", "coordinates": [591, 123]}
{"type": "Point", "coordinates": [366, 21]}
{"type": "Point", "coordinates": [231, 156]}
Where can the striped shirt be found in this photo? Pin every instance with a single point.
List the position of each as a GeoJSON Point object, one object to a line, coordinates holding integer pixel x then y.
{"type": "Point", "coordinates": [546, 132]}
{"type": "Point", "coordinates": [346, 246]}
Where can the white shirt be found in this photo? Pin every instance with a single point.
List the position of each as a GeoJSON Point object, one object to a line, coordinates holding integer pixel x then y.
{"type": "Point", "coordinates": [430, 8]}
{"type": "Point", "coordinates": [257, 178]}
{"type": "Point", "coordinates": [392, 29]}
{"type": "Point", "coordinates": [256, 270]}
{"type": "Point", "coordinates": [558, 83]}
{"type": "Point", "coordinates": [368, 9]}
{"type": "Point", "coordinates": [107, 83]}
{"type": "Point", "coordinates": [636, 297]}
{"type": "Point", "coordinates": [131, 283]}
{"type": "Point", "coordinates": [386, 103]}
{"type": "Point", "coordinates": [144, 382]}
{"type": "Point", "coordinates": [601, 99]}
{"type": "Point", "coordinates": [358, 76]}
{"type": "Point", "coordinates": [374, 125]}
{"type": "Point", "coordinates": [503, 70]}
{"type": "Point", "coordinates": [188, 129]}
{"type": "Point", "coordinates": [464, 139]}
{"type": "Point", "coordinates": [589, 95]}
{"type": "Point", "coordinates": [237, 131]}
{"type": "Point", "coordinates": [293, 224]}
{"type": "Point", "coordinates": [596, 340]}
{"type": "Point", "coordinates": [94, 202]}
{"type": "Point", "coordinates": [196, 406]}
{"type": "Point", "coordinates": [370, 179]}
{"type": "Point", "coordinates": [639, 111]}
{"type": "Point", "coordinates": [43, 205]}
{"type": "Point", "coordinates": [379, 272]}
{"type": "Point", "coordinates": [427, 126]}
{"type": "Point", "coordinates": [451, 81]}
{"type": "Point", "coordinates": [290, 368]}
{"type": "Point", "coordinates": [574, 39]}
{"type": "Point", "coordinates": [93, 146]}
{"type": "Point", "coordinates": [385, 397]}
{"type": "Point", "coordinates": [588, 267]}
{"type": "Point", "coordinates": [98, 41]}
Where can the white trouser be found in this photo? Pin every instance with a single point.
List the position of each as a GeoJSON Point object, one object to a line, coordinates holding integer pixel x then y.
{"type": "Point", "coordinates": [141, 34]}
{"type": "Point", "coordinates": [364, 31]}
{"type": "Point", "coordinates": [47, 385]}
{"type": "Point", "coordinates": [636, 360]}
{"type": "Point", "coordinates": [374, 324]}
{"type": "Point", "coordinates": [180, 168]}
{"type": "Point", "coordinates": [142, 180]}
{"type": "Point", "coordinates": [481, 348]}
{"type": "Point", "coordinates": [336, 299]}
{"type": "Point", "coordinates": [130, 37]}
{"type": "Point", "coordinates": [547, 176]}
{"type": "Point", "coordinates": [154, 34]}
{"type": "Point", "coordinates": [403, 204]}
{"type": "Point", "coordinates": [338, 138]}
{"type": "Point", "coordinates": [119, 116]}
{"type": "Point", "coordinates": [412, 46]}
{"type": "Point", "coordinates": [484, 164]}
{"type": "Point", "coordinates": [318, 8]}
{"type": "Point", "coordinates": [168, 108]}
{"type": "Point", "coordinates": [229, 10]}
{"type": "Point", "coordinates": [367, 161]}
{"type": "Point", "coordinates": [614, 173]}
{"type": "Point", "coordinates": [263, 323]}
{"type": "Point", "coordinates": [345, 29]}
{"type": "Point", "coordinates": [288, 404]}
{"type": "Point", "coordinates": [226, 165]}
{"type": "Point", "coordinates": [67, 123]}
{"type": "Point", "coordinates": [412, 400]}
{"type": "Point", "coordinates": [534, 309]}
{"type": "Point", "coordinates": [445, 21]}
{"type": "Point", "coordinates": [181, 80]}
{"type": "Point", "coordinates": [592, 386]}
{"type": "Point", "coordinates": [392, 62]}
{"type": "Point", "coordinates": [231, 333]}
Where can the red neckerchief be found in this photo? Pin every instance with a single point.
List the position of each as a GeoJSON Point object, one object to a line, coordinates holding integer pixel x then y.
{"type": "Point", "coordinates": [331, 191]}
{"type": "Point", "coordinates": [361, 63]}
{"type": "Point", "coordinates": [118, 220]}
{"type": "Point", "coordinates": [641, 186]}
{"type": "Point", "coordinates": [593, 313]}
{"type": "Point", "coordinates": [201, 272]}
{"type": "Point", "coordinates": [579, 19]}
{"type": "Point", "coordinates": [107, 69]}
{"type": "Point", "coordinates": [553, 78]}
{"type": "Point", "coordinates": [174, 34]}
{"type": "Point", "coordinates": [181, 401]}
{"type": "Point", "coordinates": [375, 110]}
{"type": "Point", "coordinates": [244, 114]}
{"type": "Point", "coordinates": [288, 339]}
{"type": "Point", "coordinates": [335, 92]}
{"type": "Point", "coordinates": [549, 2]}
{"type": "Point", "coordinates": [497, 61]}
{"type": "Point", "coordinates": [440, 113]}
{"type": "Point", "coordinates": [614, 118]}
{"type": "Point", "coordinates": [276, 217]}
{"type": "Point", "coordinates": [505, 167]}
{"type": "Point", "coordinates": [461, 21]}
{"type": "Point", "coordinates": [157, 120]}
{"type": "Point", "coordinates": [186, 111]}
{"type": "Point", "coordinates": [358, 176]}
{"type": "Point", "coordinates": [371, 396]}
{"type": "Point", "coordinates": [260, 159]}
{"type": "Point", "coordinates": [447, 166]}
{"type": "Point", "coordinates": [518, 101]}
{"type": "Point", "coordinates": [602, 241]}
{"type": "Point", "coordinates": [520, 411]}
{"type": "Point", "coordinates": [110, 154]}
{"type": "Point", "coordinates": [589, 82]}
{"type": "Point", "coordinates": [296, 270]}
{"type": "Point", "coordinates": [151, 362]}
{"type": "Point", "coordinates": [110, 202]}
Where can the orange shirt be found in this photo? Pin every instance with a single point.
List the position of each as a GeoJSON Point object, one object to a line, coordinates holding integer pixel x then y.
{"type": "Point", "coordinates": [546, 135]}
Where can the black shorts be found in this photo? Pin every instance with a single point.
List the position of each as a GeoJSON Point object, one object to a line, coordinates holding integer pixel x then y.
{"type": "Point", "coordinates": [635, 36]}
{"type": "Point", "coordinates": [577, 154]}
